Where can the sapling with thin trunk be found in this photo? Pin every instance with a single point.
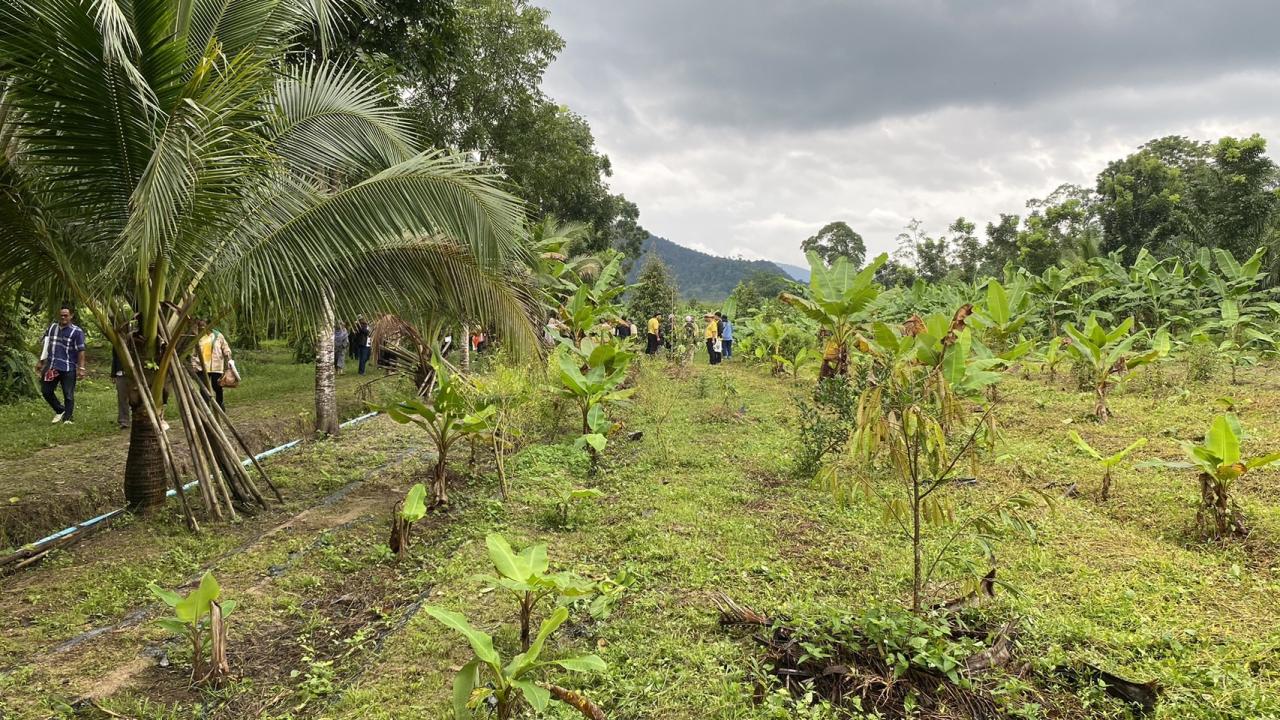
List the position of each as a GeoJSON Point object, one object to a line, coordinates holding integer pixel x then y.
{"type": "Point", "coordinates": [921, 380]}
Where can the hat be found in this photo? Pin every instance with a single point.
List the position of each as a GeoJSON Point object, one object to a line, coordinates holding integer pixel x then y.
{"type": "Point", "coordinates": [688, 318]}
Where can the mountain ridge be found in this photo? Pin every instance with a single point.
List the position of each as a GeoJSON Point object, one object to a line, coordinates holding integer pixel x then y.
{"type": "Point", "coordinates": [699, 275]}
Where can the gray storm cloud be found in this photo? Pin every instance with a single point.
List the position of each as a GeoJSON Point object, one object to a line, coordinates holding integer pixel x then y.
{"type": "Point", "coordinates": [735, 125]}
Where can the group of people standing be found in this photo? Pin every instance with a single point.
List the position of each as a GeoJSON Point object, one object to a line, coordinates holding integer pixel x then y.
{"type": "Point", "coordinates": [357, 343]}
{"type": "Point", "coordinates": [719, 337]}
{"type": "Point", "coordinates": [718, 334]}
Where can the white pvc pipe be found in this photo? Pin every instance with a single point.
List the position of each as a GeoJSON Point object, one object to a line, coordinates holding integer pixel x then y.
{"type": "Point", "coordinates": [172, 493]}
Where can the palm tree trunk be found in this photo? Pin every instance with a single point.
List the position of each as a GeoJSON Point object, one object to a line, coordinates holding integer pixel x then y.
{"type": "Point", "coordinates": [144, 471]}
{"type": "Point", "coordinates": [326, 391]}
{"type": "Point", "coordinates": [466, 348]}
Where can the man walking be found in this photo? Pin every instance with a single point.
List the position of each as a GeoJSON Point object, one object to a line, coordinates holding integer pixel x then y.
{"type": "Point", "coordinates": [61, 364]}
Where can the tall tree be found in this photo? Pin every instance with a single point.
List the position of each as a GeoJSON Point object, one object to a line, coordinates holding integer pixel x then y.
{"type": "Point", "coordinates": [654, 292]}
{"type": "Point", "coordinates": [158, 159]}
{"type": "Point", "coordinates": [1237, 196]}
{"type": "Point", "coordinates": [1002, 244]}
{"type": "Point", "coordinates": [836, 239]}
{"type": "Point", "coordinates": [967, 249]}
{"type": "Point", "coordinates": [1143, 196]}
{"type": "Point", "coordinates": [928, 254]}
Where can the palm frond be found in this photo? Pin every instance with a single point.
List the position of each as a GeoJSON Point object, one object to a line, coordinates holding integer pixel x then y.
{"type": "Point", "coordinates": [333, 119]}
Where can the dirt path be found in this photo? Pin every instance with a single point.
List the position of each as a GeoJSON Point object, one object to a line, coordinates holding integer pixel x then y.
{"type": "Point", "coordinates": [52, 488]}
{"type": "Point", "coordinates": [259, 560]}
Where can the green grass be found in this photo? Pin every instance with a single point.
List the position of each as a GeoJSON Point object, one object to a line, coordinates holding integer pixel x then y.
{"type": "Point", "coordinates": [273, 387]}
{"type": "Point", "coordinates": [704, 503]}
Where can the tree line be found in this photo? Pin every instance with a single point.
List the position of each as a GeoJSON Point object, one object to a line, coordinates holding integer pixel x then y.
{"type": "Point", "coordinates": [1172, 196]}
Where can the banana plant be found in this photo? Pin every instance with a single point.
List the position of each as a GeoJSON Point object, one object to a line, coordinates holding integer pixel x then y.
{"type": "Point", "coordinates": [1221, 464]}
{"type": "Point", "coordinates": [1108, 355]}
{"type": "Point", "coordinates": [404, 514]}
{"type": "Point", "coordinates": [839, 296]}
{"type": "Point", "coordinates": [1054, 352]}
{"type": "Point", "coordinates": [199, 617]}
{"type": "Point", "coordinates": [768, 338]}
{"type": "Point", "coordinates": [804, 358]}
{"type": "Point", "coordinates": [447, 417]}
{"type": "Point", "coordinates": [525, 575]}
{"type": "Point", "coordinates": [1057, 289]}
{"type": "Point", "coordinates": [1001, 321]}
{"type": "Point", "coordinates": [590, 375]}
{"type": "Point", "coordinates": [485, 679]}
{"type": "Point", "coordinates": [1241, 332]}
{"type": "Point", "coordinates": [1107, 462]}
{"type": "Point", "coordinates": [595, 300]}
{"type": "Point", "coordinates": [566, 518]}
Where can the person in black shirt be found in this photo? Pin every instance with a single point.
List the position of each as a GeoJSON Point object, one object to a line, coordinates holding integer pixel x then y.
{"type": "Point", "coordinates": [361, 341]}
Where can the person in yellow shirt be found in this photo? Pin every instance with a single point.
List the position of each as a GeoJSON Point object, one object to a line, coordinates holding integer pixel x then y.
{"type": "Point", "coordinates": [712, 335]}
{"type": "Point", "coordinates": [653, 330]}
{"type": "Point", "coordinates": [211, 358]}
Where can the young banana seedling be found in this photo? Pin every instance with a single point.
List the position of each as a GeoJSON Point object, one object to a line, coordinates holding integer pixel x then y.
{"type": "Point", "coordinates": [199, 617]}
{"type": "Point", "coordinates": [1220, 463]}
{"type": "Point", "coordinates": [508, 684]}
{"type": "Point", "coordinates": [526, 576]}
{"type": "Point", "coordinates": [1108, 462]}
{"type": "Point", "coordinates": [405, 513]}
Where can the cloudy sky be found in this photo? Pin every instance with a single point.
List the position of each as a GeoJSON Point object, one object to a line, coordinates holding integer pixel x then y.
{"type": "Point", "coordinates": [742, 126]}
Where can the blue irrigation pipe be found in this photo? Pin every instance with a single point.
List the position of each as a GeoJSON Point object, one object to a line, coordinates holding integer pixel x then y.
{"type": "Point", "coordinates": [35, 546]}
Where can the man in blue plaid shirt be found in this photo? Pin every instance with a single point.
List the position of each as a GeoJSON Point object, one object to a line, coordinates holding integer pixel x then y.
{"type": "Point", "coordinates": [62, 363]}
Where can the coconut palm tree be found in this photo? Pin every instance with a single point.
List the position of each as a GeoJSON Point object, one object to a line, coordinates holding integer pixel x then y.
{"type": "Point", "coordinates": [160, 158]}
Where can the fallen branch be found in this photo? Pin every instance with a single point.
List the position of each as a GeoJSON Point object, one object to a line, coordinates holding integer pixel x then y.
{"type": "Point", "coordinates": [578, 702]}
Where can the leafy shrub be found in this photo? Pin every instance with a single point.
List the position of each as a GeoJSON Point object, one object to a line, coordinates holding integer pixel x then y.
{"type": "Point", "coordinates": [825, 424]}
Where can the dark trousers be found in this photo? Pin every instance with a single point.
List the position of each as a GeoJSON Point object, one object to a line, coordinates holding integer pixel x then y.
{"type": "Point", "coordinates": [728, 348]}
{"type": "Point", "coordinates": [362, 354]}
{"type": "Point", "coordinates": [212, 379]}
{"type": "Point", "coordinates": [122, 401]}
{"type": "Point", "coordinates": [652, 346]}
{"type": "Point", "coordinates": [712, 356]}
{"type": "Point", "coordinates": [67, 380]}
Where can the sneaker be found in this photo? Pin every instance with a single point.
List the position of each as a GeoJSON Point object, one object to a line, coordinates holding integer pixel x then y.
{"type": "Point", "coordinates": [57, 418]}
{"type": "Point", "coordinates": [67, 422]}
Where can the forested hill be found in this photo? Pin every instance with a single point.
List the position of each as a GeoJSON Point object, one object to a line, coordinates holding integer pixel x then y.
{"type": "Point", "coordinates": [698, 275]}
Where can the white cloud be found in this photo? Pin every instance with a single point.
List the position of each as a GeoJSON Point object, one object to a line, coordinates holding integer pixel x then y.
{"type": "Point", "coordinates": [724, 151]}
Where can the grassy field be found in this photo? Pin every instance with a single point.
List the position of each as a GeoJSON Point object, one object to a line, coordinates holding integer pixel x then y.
{"type": "Point", "coordinates": [54, 475]}
{"type": "Point", "coordinates": [330, 626]}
